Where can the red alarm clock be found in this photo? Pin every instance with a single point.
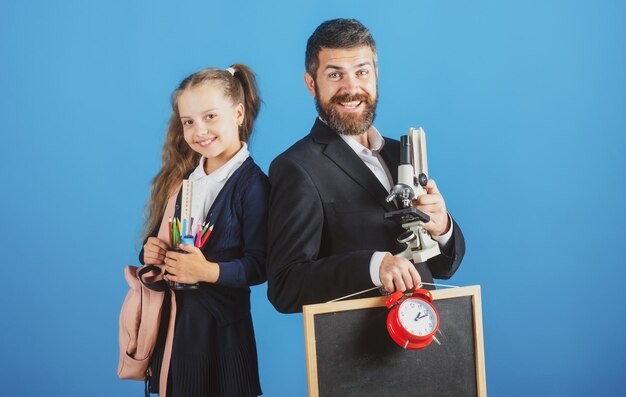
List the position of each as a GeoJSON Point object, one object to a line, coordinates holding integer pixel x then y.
{"type": "Point", "coordinates": [413, 320]}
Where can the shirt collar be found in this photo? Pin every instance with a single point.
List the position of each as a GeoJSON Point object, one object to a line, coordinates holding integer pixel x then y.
{"type": "Point", "coordinates": [373, 137]}
{"type": "Point", "coordinates": [225, 171]}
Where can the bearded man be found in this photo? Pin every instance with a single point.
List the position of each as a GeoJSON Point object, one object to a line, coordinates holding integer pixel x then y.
{"type": "Point", "coordinates": [328, 236]}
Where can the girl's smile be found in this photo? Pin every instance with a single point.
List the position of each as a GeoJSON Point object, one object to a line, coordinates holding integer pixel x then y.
{"type": "Point", "coordinates": [205, 142]}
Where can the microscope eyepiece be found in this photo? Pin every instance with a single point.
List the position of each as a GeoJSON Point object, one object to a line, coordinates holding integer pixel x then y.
{"type": "Point", "coordinates": [405, 150]}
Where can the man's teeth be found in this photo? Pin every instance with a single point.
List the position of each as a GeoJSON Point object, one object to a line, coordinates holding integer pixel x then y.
{"type": "Point", "coordinates": [351, 105]}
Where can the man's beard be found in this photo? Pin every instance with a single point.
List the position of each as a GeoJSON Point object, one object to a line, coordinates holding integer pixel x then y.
{"type": "Point", "coordinates": [347, 123]}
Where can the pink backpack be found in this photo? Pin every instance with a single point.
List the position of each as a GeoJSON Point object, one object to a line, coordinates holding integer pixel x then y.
{"type": "Point", "coordinates": [139, 323]}
{"type": "Point", "coordinates": [141, 315]}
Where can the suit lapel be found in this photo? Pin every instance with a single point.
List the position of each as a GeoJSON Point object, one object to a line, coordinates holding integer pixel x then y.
{"type": "Point", "coordinates": [349, 162]}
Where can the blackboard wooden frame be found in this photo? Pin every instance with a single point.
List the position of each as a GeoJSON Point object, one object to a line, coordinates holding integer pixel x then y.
{"type": "Point", "coordinates": [311, 311]}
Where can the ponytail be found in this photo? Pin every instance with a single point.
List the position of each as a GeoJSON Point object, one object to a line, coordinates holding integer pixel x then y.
{"type": "Point", "coordinates": [250, 99]}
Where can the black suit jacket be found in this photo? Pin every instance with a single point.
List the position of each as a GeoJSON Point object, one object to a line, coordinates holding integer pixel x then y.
{"type": "Point", "coordinates": [326, 219]}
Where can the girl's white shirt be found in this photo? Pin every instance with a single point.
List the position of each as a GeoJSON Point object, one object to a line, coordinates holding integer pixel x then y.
{"type": "Point", "coordinates": [206, 187]}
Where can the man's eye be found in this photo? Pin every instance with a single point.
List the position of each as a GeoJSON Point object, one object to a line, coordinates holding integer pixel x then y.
{"type": "Point", "coordinates": [334, 75]}
{"type": "Point", "coordinates": [362, 73]}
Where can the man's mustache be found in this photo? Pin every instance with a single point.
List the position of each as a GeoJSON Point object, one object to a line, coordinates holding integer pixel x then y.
{"type": "Point", "coordinates": [350, 98]}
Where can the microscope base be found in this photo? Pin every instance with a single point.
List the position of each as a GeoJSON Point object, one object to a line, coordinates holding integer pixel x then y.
{"type": "Point", "coordinates": [422, 247]}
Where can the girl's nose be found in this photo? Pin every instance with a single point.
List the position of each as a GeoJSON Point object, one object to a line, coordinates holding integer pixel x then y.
{"type": "Point", "coordinates": [201, 128]}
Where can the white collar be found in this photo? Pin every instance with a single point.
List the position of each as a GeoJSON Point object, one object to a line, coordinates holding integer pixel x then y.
{"type": "Point", "coordinates": [225, 171]}
{"type": "Point", "coordinates": [373, 137]}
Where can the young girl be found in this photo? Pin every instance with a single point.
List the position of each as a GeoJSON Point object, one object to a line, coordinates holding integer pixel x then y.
{"type": "Point", "coordinates": [213, 350]}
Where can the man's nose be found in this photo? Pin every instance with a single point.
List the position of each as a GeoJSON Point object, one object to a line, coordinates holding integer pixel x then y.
{"type": "Point", "coordinates": [351, 84]}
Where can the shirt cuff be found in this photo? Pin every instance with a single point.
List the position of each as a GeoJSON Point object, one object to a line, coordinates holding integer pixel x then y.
{"type": "Point", "coordinates": [445, 238]}
{"type": "Point", "coordinates": [377, 259]}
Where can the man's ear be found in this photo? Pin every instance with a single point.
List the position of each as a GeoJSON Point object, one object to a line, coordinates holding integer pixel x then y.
{"type": "Point", "coordinates": [310, 83]}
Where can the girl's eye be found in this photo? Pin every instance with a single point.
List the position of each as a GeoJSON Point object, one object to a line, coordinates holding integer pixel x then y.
{"type": "Point", "coordinates": [210, 116]}
{"type": "Point", "coordinates": [187, 123]}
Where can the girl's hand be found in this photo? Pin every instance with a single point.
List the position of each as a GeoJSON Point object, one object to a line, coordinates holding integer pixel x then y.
{"type": "Point", "coordinates": [154, 251]}
{"type": "Point", "coordinates": [191, 267]}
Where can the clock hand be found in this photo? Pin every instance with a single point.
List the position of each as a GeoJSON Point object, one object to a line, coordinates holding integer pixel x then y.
{"type": "Point", "coordinates": [418, 316]}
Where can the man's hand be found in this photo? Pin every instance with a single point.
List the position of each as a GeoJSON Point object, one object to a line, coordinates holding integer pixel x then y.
{"type": "Point", "coordinates": [398, 274]}
{"type": "Point", "coordinates": [432, 203]}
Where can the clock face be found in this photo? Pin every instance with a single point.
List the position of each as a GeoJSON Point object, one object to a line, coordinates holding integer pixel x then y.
{"type": "Point", "coordinates": [417, 317]}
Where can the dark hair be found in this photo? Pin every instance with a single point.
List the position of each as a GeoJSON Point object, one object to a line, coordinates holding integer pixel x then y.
{"type": "Point", "coordinates": [336, 33]}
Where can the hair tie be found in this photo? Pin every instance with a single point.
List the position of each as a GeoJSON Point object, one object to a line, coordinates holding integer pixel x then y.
{"type": "Point", "coordinates": [231, 71]}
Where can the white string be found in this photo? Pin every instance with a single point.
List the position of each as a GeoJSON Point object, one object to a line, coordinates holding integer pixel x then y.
{"type": "Point", "coordinates": [356, 293]}
{"type": "Point", "coordinates": [373, 288]}
{"type": "Point", "coordinates": [442, 285]}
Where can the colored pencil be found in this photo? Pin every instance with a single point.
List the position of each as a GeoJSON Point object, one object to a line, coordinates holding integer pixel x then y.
{"type": "Point", "coordinates": [198, 234]}
{"type": "Point", "coordinates": [206, 237]}
{"type": "Point", "coordinates": [176, 231]}
{"type": "Point", "coordinates": [169, 223]}
{"type": "Point", "coordinates": [205, 228]}
{"type": "Point", "coordinates": [173, 231]}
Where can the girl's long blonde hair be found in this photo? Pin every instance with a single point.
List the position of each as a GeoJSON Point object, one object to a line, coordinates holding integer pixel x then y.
{"type": "Point", "coordinates": [177, 158]}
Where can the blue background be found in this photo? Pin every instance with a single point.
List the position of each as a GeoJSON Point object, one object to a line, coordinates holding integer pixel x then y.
{"type": "Point", "coordinates": [523, 104]}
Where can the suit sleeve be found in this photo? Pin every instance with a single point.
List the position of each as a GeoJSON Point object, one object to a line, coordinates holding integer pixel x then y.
{"type": "Point", "coordinates": [250, 268]}
{"type": "Point", "coordinates": [297, 274]}
{"type": "Point", "coordinates": [443, 266]}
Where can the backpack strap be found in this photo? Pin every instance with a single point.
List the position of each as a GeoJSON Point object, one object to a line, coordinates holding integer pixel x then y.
{"type": "Point", "coordinates": [146, 383]}
{"type": "Point", "coordinates": [170, 210]}
{"type": "Point", "coordinates": [167, 350]}
{"type": "Point", "coordinates": [158, 285]}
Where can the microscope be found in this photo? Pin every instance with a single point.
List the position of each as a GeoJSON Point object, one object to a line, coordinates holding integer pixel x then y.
{"type": "Point", "coordinates": [412, 177]}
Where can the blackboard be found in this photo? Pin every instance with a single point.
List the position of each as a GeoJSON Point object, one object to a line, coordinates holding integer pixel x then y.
{"type": "Point", "coordinates": [350, 353]}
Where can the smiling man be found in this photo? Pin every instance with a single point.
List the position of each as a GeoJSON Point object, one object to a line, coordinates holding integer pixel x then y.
{"type": "Point", "coordinates": [328, 236]}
